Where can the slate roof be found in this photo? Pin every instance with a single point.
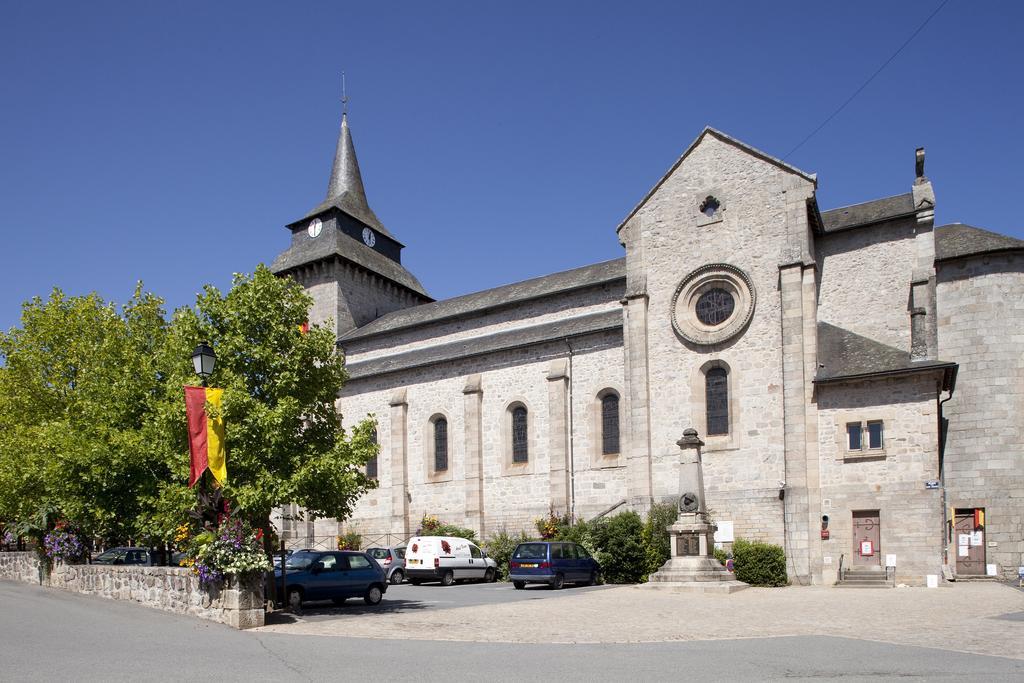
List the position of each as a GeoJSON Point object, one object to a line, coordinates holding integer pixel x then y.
{"type": "Point", "coordinates": [845, 355]}
{"type": "Point", "coordinates": [957, 240]}
{"type": "Point", "coordinates": [507, 295]}
{"type": "Point", "coordinates": [604, 321]}
{"type": "Point", "coordinates": [336, 243]}
{"type": "Point", "coordinates": [866, 213]}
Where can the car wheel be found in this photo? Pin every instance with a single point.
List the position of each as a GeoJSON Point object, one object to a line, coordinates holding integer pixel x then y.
{"type": "Point", "coordinates": [295, 598]}
{"type": "Point", "coordinates": [519, 585]}
{"type": "Point", "coordinates": [448, 578]}
{"type": "Point", "coordinates": [598, 578]}
{"type": "Point", "coordinates": [490, 576]}
{"type": "Point", "coordinates": [338, 601]}
{"type": "Point", "coordinates": [397, 577]}
{"type": "Point", "coordinates": [557, 582]}
{"type": "Point", "coordinates": [373, 595]}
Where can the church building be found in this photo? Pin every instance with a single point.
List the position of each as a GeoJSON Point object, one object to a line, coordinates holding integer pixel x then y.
{"type": "Point", "coordinates": [856, 374]}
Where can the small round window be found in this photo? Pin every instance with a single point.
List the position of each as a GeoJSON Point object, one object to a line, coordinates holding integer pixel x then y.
{"type": "Point", "coordinates": [715, 306]}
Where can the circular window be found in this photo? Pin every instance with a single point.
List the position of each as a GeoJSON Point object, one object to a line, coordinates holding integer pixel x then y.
{"type": "Point", "coordinates": [715, 306]}
{"type": "Point", "coordinates": [712, 304]}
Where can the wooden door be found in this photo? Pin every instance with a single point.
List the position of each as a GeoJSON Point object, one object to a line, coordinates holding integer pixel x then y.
{"type": "Point", "coordinates": [968, 544]}
{"type": "Point", "coordinates": [867, 536]}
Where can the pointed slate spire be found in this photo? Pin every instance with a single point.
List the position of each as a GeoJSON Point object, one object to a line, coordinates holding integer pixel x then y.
{"type": "Point", "coordinates": [345, 188]}
{"type": "Point", "coordinates": [345, 175]}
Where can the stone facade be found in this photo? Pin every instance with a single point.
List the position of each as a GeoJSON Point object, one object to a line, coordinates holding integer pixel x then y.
{"type": "Point", "coordinates": [172, 589]}
{"type": "Point", "coordinates": [739, 309]}
{"type": "Point", "coordinates": [981, 318]}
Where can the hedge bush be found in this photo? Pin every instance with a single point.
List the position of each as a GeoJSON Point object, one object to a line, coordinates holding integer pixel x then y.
{"type": "Point", "coordinates": [620, 548]}
{"type": "Point", "coordinates": [500, 546]}
{"type": "Point", "coordinates": [759, 564]}
{"type": "Point", "coordinates": [657, 544]}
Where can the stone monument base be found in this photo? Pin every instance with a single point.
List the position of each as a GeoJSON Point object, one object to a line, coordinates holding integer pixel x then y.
{"type": "Point", "coordinates": [692, 568]}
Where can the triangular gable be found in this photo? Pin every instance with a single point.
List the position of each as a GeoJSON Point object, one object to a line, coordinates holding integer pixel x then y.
{"type": "Point", "coordinates": [728, 139]}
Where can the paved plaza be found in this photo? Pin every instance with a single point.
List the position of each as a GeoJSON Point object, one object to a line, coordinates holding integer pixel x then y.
{"type": "Point", "coordinates": [981, 618]}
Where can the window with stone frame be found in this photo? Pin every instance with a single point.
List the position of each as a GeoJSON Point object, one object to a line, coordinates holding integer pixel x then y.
{"type": "Point", "coordinates": [854, 436]}
{"type": "Point", "coordinates": [371, 464]}
{"type": "Point", "coordinates": [867, 435]}
{"type": "Point", "coordinates": [610, 424]}
{"type": "Point", "coordinates": [875, 434]}
{"type": "Point", "coordinates": [520, 435]}
{"type": "Point", "coordinates": [440, 444]}
{"type": "Point", "coordinates": [716, 397]}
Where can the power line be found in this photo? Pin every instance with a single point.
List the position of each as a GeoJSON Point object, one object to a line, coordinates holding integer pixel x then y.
{"type": "Point", "coordinates": [871, 78]}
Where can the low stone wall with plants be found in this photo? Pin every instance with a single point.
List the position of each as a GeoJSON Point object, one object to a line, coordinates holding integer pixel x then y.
{"type": "Point", "coordinates": [173, 589]}
{"type": "Point", "coordinates": [21, 566]}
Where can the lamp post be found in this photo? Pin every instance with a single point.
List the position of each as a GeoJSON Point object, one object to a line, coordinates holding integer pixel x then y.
{"type": "Point", "coordinates": [204, 360]}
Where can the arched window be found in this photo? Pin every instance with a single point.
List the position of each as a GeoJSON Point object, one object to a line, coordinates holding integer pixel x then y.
{"type": "Point", "coordinates": [609, 424]}
{"type": "Point", "coordinates": [520, 435]}
{"type": "Point", "coordinates": [371, 464]}
{"type": "Point", "coordinates": [716, 383]}
{"type": "Point", "coordinates": [440, 444]}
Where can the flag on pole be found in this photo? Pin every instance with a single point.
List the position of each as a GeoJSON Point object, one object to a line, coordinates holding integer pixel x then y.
{"type": "Point", "coordinates": [205, 434]}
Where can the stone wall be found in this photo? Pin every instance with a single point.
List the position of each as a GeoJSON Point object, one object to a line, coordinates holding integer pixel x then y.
{"type": "Point", "coordinates": [981, 318]}
{"type": "Point", "coordinates": [890, 479]}
{"type": "Point", "coordinates": [762, 226]}
{"type": "Point", "coordinates": [172, 589]}
{"type": "Point", "coordinates": [879, 259]}
{"type": "Point", "coordinates": [479, 455]}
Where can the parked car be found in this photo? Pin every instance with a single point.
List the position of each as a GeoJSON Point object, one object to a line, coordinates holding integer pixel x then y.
{"type": "Point", "coordinates": [553, 563]}
{"type": "Point", "coordinates": [447, 559]}
{"type": "Point", "coordinates": [334, 575]}
{"type": "Point", "coordinates": [277, 557]}
{"type": "Point", "coordinates": [392, 560]}
{"type": "Point", "coordinates": [124, 555]}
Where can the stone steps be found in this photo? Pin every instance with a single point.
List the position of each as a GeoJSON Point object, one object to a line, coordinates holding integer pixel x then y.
{"type": "Point", "coordinates": [864, 578]}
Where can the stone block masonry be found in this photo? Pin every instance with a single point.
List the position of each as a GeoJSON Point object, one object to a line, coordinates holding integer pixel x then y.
{"type": "Point", "coordinates": [172, 589]}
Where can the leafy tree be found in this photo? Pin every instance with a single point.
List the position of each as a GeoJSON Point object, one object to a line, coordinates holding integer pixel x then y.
{"type": "Point", "coordinates": [283, 437]}
{"type": "Point", "coordinates": [76, 388]}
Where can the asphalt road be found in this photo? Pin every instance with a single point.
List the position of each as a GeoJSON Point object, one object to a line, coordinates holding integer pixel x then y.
{"type": "Point", "coordinates": [48, 634]}
{"type": "Point", "coordinates": [431, 596]}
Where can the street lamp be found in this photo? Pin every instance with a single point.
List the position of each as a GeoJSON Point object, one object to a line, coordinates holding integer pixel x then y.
{"type": "Point", "coordinates": [204, 360]}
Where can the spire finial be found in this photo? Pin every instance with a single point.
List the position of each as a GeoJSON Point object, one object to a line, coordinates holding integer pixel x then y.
{"type": "Point", "coordinates": [344, 96]}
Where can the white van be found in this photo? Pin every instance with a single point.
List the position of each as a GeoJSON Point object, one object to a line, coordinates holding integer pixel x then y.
{"type": "Point", "coordinates": [446, 559]}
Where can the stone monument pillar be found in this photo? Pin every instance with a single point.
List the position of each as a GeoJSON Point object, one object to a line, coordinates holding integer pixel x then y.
{"type": "Point", "coordinates": [693, 566]}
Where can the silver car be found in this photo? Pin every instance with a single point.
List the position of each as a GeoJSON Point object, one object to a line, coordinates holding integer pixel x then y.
{"type": "Point", "coordinates": [392, 560]}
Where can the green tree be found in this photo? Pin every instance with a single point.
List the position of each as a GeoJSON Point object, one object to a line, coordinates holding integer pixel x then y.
{"type": "Point", "coordinates": [77, 384]}
{"type": "Point", "coordinates": [284, 440]}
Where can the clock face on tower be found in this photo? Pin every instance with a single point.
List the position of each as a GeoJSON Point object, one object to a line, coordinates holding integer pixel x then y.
{"type": "Point", "coordinates": [369, 237]}
{"type": "Point", "coordinates": [315, 226]}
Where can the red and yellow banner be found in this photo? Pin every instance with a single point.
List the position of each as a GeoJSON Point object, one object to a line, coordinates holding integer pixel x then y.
{"type": "Point", "coordinates": [205, 434]}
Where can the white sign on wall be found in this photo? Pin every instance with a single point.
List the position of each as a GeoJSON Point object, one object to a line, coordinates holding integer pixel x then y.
{"type": "Point", "coordinates": [724, 533]}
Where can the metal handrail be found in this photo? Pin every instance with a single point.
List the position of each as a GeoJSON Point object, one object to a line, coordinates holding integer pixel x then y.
{"type": "Point", "coordinates": [842, 576]}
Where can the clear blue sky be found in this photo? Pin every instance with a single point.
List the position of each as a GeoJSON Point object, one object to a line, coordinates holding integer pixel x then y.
{"type": "Point", "coordinates": [171, 143]}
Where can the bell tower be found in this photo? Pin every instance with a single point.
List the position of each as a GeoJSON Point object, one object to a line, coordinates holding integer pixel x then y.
{"type": "Point", "coordinates": [344, 256]}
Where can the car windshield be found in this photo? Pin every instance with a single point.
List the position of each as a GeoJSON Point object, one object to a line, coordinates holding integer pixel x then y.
{"type": "Point", "coordinates": [531, 551]}
{"type": "Point", "coordinates": [109, 556]}
{"type": "Point", "coordinates": [300, 560]}
{"type": "Point", "coordinates": [378, 553]}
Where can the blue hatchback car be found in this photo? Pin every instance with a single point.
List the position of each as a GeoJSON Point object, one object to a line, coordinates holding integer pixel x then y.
{"type": "Point", "coordinates": [334, 575]}
{"type": "Point", "coordinates": [554, 563]}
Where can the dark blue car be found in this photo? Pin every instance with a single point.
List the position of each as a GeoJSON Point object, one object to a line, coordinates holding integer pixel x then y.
{"type": "Point", "coordinates": [554, 563]}
{"type": "Point", "coordinates": [334, 575]}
